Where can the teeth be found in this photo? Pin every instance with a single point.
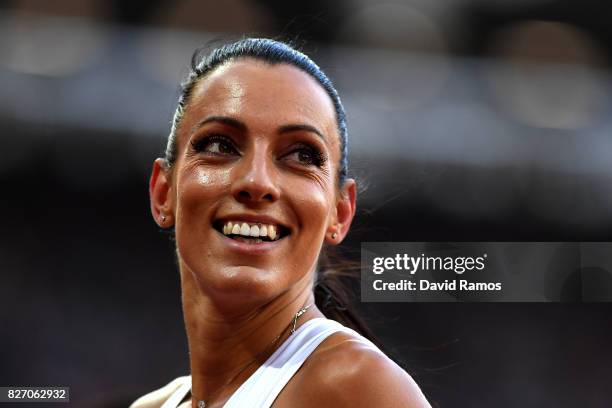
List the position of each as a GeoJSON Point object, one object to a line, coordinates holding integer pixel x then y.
{"type": "Point", "coordinates": [245, 229]}
{"type": "Point", "coordinates": [272, 232]}
{"type": "Point", "coordinates": [249, 240]}
{"type": "Point", "coordinates": [254, 230]}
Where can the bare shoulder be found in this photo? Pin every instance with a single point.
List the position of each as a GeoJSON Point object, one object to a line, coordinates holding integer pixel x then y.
{"type": "Point", "coordinates": [156, 398]}
{"type": "Point", "coordinates": [348, 372]}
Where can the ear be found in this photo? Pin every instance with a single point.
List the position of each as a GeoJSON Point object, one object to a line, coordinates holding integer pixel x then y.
{"type": "Point", "coordinates": [162, 206]}
{"type": "Point", "coordinates": [346, 205]}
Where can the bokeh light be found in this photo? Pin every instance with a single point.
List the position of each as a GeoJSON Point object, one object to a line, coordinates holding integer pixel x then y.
{"type": "Point", "coordinates": [547, 74]}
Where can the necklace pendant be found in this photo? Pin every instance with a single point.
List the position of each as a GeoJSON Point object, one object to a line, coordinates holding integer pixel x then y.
{"type": "Point", "coordinates": [201, 404]}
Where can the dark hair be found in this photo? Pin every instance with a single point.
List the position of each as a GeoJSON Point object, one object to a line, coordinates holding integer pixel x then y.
{"type": "Point", "coordinates": [332, 296]}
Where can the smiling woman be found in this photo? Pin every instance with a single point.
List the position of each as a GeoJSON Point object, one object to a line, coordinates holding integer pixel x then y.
{"type": "Point", "coordinates": [254, 184]}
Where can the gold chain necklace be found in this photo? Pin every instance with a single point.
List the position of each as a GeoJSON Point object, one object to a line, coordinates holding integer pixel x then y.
{"type": "Point", "coordinates": [203, 404]}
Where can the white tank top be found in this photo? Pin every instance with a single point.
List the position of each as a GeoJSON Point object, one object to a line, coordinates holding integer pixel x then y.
{"type": "Point", "coordinates": [263, 386]}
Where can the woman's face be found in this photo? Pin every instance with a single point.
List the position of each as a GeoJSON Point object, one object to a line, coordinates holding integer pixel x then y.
{"type": "Point", "coordinates": [258, 155]}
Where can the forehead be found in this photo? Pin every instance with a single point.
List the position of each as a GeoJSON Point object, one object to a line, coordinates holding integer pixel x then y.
{"type": "Point", "coordinates": [263, 96]}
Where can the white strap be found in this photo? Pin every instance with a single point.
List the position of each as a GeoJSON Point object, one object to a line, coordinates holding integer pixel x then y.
{"type": "Point", "coordinates": [264, 386]}
{"type": "Point", "coordinates": [178, 395]}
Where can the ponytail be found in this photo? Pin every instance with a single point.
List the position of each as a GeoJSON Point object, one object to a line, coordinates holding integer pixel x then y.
{"type": "Point", "coordinates": [334, 294]}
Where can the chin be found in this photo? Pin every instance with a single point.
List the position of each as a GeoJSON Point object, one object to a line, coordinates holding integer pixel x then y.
{"type": "Point", "coordinates": [243, 283]}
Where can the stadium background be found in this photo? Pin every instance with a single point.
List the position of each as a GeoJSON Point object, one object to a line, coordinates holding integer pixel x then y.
{"type": "Point", "coordinates": [473, 120]}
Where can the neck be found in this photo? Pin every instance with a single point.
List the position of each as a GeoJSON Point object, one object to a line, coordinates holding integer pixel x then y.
{"type": "Point", "coordinates": [224, 337]}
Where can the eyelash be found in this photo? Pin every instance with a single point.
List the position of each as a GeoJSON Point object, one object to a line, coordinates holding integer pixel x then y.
{"type": "Point", "coordinates": [318, 159]}
{"type": "Point", "coordinates": [201, 144]}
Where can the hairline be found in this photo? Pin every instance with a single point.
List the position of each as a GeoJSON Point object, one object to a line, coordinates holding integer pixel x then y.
{"type": "Point", "coordinates": [193, 83]}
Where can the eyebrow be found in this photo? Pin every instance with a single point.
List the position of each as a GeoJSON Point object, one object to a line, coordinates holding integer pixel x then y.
{"type": "Point", "coordinates": [241, 126]}
{"type": "Point", "coordinates": [301, 127]}
{"type": "Point", "coordinates": [223, 120]}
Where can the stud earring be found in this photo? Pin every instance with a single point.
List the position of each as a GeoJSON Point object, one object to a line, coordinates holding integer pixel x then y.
{"type": "Point", "coordinates": [163, 218]}
{"type": "Point", "coordinates": [334, 235]}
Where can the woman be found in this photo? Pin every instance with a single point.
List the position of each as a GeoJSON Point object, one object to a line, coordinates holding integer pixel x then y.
{"type": "Point", "coordinates": [254, 183]}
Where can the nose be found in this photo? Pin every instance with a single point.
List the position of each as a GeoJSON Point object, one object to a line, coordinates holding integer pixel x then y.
{"type": "Point", "coordinates": [253, 183]}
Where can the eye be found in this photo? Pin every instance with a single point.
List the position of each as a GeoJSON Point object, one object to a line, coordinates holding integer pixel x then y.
{"type": "Point", "coordinates": [307, 155]}
{"type": "Point", "coordinates": [215, 145]}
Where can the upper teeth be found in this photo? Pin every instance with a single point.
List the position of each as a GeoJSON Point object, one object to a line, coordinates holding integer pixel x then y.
{"type": "Point", "coordinates": [250, 230]}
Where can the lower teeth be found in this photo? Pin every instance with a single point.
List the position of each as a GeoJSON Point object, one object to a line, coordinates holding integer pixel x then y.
{"type": "Point", "coordinates": [249, 240]}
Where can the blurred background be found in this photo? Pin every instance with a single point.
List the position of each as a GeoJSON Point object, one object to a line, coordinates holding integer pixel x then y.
{"type": "Point", "coordinates": [469, 120]}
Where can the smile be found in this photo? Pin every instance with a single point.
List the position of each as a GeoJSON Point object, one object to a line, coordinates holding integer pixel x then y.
{"type": "Point", "coordinates": [251, 233]}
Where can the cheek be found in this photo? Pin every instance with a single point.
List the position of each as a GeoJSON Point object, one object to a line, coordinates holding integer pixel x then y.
{"type": "Point", "coordinates": [196, 189]}
{"type": "Point", "coordinates": [200, 182]}
{"type": "Point", "coordinates": [312, 206]}
{"type": "Point", "coordinates": [313, 202]}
